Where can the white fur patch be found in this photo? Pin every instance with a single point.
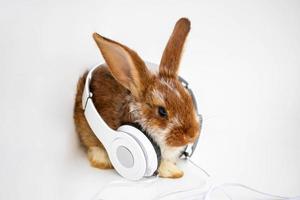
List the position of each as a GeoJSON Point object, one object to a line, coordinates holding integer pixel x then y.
{"type": "Point", "coordinates": [170, 85]}
{"type": "Point", "coordinates": [171, 153]}
{"type": "Point", "coordinates": [134, 109]}
{"type": "Point", "coordinates": [175, 121]}
{"type": "Point", "coordinates": [168, 169]}
{"type": "Point", "coordinates": [159, 96]}
{"type": "Point", "coordinates": [98, 155]}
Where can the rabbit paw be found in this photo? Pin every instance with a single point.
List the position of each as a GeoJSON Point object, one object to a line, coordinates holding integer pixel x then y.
{"type": "Point", "coordinates": [168, 169]}
{"type": "Point", "coordinates": [98, 158]}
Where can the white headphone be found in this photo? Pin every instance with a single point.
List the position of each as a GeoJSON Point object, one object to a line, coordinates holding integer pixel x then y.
{"type": "Point", "coordinates": [133, 154]}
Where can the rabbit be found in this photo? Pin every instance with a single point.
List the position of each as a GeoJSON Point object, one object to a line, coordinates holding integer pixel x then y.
{"type": "Point", "coordinates": [126, 91]}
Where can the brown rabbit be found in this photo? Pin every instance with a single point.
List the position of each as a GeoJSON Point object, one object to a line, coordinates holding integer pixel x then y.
{"type": "Point", "coordinates": [125, 91]}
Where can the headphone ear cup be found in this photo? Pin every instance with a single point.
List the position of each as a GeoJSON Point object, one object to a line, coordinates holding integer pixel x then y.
{"type": "Point", "coordinates": [149, 150]}
{"type": "Point", "coordinates": [156, 148]}
{"type": "Point", "coordinates": [127, 157]}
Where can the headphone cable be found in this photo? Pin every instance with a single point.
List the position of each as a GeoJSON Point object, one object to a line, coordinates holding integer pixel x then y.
{"type": "Point", "coordinates": [206, 194]}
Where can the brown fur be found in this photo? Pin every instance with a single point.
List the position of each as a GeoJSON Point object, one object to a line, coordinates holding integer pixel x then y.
{"type": "Point", "coordinates": [172, 53]}
{"type": "Point", "coordinates": [125, 91]}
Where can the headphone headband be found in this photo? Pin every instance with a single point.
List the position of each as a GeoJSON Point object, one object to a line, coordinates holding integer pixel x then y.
{"type": "Point", "coordinates": [190, 148]}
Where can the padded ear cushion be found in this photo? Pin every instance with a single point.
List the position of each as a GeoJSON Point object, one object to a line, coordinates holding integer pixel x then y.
{"type": "Point", "coordinates": [154, 144]}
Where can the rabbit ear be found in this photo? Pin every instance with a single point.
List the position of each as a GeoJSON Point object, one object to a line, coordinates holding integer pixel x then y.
{"type": "Point", "coordinates": [125, 64]}
{"type": "Point", "coordinates": [170, 60]}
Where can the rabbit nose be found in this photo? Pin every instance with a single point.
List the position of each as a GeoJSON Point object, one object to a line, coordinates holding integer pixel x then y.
{"type": "Point", "coordinates": [187, 139]}
{"type": "Point", "coordinates": [190, 135]}
{"type": "Point", "coordinates": [190, 139]}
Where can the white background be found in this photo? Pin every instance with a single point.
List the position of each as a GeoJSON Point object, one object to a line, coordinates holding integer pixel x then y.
{"type": "Point", "coordinates": [242, 60]}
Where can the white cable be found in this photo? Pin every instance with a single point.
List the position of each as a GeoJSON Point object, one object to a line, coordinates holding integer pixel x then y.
{"type": "Point", "coordinates": [204, 194]}
{"type": "Point", "coordinates": [223, 185]}
{"type": "Point", "coordinates": [204, 171]}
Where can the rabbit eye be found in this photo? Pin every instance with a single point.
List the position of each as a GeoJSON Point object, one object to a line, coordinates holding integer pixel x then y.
{"type": "Point", "coordinates": [162, 112]}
